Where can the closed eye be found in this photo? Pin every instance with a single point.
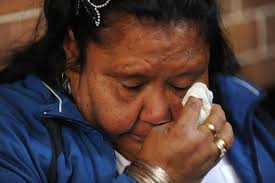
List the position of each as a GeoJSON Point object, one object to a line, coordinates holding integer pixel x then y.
{"type": "Point", "coordinates": [133, 87]}
{"type": "Point", "coordinates": [179, 88]}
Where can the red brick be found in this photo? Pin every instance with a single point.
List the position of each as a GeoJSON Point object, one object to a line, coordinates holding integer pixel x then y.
{"type": "Point", "coordinates": [16, 32]}
{"type": "Point", "coordinates": [255, 3]}
{"type": "Point", "coordinates": [13, 35]}
{"type": "Point", "coordinates": [243, 36]}
{"type": "Point", "coordinates": [260, 73]}
{"type": "Point", "coordinates": [225, 6]}
{"type": "Point", "coordinates": [8, 6]}
{"type": "Point", "coordinates": [270, 29]}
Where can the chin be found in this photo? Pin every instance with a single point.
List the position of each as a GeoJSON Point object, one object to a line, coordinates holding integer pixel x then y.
{"type": "Point", "coordinates": [129, 146]}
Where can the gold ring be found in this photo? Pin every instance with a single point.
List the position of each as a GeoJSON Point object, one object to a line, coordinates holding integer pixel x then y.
{"type": "Point", "coordinates": [221, 145]}
{"type": "Point", "coordinates": [212, 129]}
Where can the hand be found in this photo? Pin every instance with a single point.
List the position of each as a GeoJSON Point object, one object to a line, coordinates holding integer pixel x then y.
{"type": "Point", "coordinates": [184, 151]}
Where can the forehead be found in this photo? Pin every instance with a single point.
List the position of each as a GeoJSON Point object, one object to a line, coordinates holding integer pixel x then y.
{"type": "Point", "coordinates": [129, 40]}
{"type": "Point", "coordinates": [134, 32]}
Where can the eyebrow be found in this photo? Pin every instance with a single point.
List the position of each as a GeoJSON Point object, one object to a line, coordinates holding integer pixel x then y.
{"type": "Point", "coordinates": [188, 73]}
{"type": "Point", "coordinates": [126, 75]}
{"type": "Point", "coordinates": [191, 70]}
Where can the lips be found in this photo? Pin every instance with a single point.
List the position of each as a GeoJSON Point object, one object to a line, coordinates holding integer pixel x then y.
{"type": "Point", "coordinates": [139, 138]}
{"type": "Point", "coordinates": [140, 130]}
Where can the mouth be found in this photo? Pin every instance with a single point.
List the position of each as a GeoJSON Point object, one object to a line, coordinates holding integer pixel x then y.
{"type": "Point", "coordinates": [138, 138]}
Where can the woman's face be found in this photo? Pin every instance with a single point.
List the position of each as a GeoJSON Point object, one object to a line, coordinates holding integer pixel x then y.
{"type": "Point", "coordinates": [137, 81]}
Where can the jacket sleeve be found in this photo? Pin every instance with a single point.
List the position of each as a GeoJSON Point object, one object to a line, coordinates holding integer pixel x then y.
{"type": "Point", "coordinates": [16, 162]}
{"type": "Point", "coordinates": [124, 179]}
{"type": "Point", "coordinates": [264, 145]}
{"type": "Point", "coordinates": [8, 175]}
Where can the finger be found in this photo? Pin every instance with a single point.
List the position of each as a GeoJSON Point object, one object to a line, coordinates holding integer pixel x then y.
{"type": "Point", "coordinates": [226, 134]}
{"type": "Point", "coordinates": [211, 160]}
{"type": "Point", "coordinates": [213, 153]}
{"type": "Point", "coordinates": [215, 120]}
{"type": "Point", "coordinates": [207, 155]}
{"type": "Point", "coordinates": [190, 113]}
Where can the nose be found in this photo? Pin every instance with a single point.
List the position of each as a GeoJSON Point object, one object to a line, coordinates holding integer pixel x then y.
{"type": "Point", "coordinates": [156, 109]}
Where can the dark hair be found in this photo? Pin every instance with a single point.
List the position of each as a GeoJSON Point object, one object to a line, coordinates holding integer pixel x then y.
{"type": "Point", "coordinates": [46, 57]}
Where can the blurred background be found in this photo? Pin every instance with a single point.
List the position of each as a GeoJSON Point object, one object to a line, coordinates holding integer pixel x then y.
{"type": "Point", "coordinates": [249, 24]}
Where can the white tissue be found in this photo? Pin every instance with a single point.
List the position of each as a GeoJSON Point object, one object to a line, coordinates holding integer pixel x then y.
{"type": "Point", "coordinates": [200, 90]}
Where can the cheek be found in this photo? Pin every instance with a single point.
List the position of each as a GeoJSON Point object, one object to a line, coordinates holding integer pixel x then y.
{"type": "Point", "coordinates": [204, 78]}
{"type": "Point", "coordinates": [112, 114]}
{"type": "Point", "coordinates": [176, 102]}
{"type": "Point", "coordinates": [175, 106]}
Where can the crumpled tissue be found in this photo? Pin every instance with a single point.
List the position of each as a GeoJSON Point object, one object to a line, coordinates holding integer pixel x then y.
{"type": "Point", "coordinates": [200, 90]}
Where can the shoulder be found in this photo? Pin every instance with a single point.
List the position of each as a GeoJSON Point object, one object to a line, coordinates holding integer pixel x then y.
{"type": "Point", "coordinates": [21, 104]}
{"type": "Point", "coordinates": [23, 99]}
{"type": "Point", "coordinates": [237, 97]}
{"type": "Point", "coordinates": [20, 128]}
{"type": "Point", "coordinates": [27, 148]}
{"type": "Point", "coordinates": [235, 86]}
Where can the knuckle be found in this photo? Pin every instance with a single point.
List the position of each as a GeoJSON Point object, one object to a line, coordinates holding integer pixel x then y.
{"type": "Point", "coordinates": [217, 110]}
{"type": "Point", "coordinates": [222, 117]}
{"type": "Point", "coordinates": [205, 131]}
{"type": "Point", "coordinates": [230, 142]}
{"type": "Point", "coordinates": [216, 107]}
{"type": "Point", "coordinates": [229, 127]}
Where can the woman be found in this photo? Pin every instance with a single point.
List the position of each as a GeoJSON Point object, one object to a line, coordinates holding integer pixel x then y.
{"type": "Point", "coordinates": [104, 85]}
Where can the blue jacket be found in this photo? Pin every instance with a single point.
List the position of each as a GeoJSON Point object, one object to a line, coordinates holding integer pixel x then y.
{"type": "Point", "coordinates": [85, 154]}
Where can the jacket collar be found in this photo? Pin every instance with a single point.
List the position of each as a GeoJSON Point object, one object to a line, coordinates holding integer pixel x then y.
{"type": "Point", "coordinates": [55, 104]}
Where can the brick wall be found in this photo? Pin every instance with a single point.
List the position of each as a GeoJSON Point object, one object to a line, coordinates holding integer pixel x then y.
{"type": "Point", "coordinates": [17, 21]}
{"type": "Point", "coordinates": [250, 25]}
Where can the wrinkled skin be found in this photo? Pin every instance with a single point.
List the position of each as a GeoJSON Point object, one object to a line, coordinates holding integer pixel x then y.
{"type": "Point", "coordinates": [132, 89]}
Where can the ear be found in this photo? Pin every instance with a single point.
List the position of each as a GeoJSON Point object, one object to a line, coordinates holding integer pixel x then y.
{"type": "Point", "coordinates": [70, 46]}
{"type": "Point", "coordinates": [72, 53]}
